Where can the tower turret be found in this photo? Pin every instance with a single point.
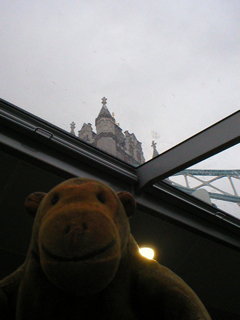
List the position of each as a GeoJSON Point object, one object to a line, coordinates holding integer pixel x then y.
{"type": "Point", "coordinates": [110, 138]}
{"type": "Point", "coordinates": [105, 127]}
{"type": "Point", "coordinates": [155, 152]}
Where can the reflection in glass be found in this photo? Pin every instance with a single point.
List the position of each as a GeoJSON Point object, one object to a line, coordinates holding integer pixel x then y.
{"type": "Point", "coordinates": [215, 181]}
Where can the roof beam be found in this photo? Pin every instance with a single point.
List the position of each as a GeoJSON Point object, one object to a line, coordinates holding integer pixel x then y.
{"type": "Point", "coordinates": [206, 143]}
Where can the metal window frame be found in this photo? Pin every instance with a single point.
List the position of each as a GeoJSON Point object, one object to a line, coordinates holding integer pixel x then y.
{"type": "Point", "coordinates": [206, 143]}
{"type": "Point", "coordinates": [30, 138]}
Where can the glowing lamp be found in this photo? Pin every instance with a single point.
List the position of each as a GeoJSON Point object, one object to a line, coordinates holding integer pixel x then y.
{"type": "Point", "coordinates": [147, 252]}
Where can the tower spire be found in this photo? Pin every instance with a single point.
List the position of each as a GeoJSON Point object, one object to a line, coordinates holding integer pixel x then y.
{"type": "Point", "coordinates": [155, 152]}
{"type": "Point", "coordinates": [72, 126]}
{"type": "Point", "coordinates": [104, 101]}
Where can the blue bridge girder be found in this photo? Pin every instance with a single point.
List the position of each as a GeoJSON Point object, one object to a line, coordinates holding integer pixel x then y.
{"type": "Point", "coordinates": [213, 195]}
{"type": "Point", "coordinates": [224, 196]}
{"type": "Point", "coordinates": [207, 172]}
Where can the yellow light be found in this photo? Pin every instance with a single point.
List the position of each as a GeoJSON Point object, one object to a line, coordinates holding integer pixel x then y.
{"type": "Point", "coordinates": [147, 252]}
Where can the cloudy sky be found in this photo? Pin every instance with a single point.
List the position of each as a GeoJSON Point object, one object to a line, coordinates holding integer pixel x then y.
{"type": "Point", "coordinates": [168, 68]}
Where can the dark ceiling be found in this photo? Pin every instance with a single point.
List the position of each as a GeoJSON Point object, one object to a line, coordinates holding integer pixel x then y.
{"type": "Point", "coordinates": [211, 269]}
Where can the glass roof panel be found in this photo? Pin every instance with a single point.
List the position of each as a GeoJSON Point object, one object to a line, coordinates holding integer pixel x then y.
{"type": "Point", "coordinates": [215, 180]}
{"type": "Point", "coordinates": [168, 69]}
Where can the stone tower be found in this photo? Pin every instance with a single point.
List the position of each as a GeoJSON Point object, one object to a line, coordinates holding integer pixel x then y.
{"type": "Point", "coordinates": [105, 127]}
{"type": "Point", "coordinates": [110, 138]}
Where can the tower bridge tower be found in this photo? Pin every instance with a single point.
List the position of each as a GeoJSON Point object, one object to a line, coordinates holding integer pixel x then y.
{"type": "Point", "coordinates": [110, 138]}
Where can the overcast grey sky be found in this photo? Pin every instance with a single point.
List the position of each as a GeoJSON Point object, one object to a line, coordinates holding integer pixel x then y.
{"type": "Point", "coordinates": [168, 68]}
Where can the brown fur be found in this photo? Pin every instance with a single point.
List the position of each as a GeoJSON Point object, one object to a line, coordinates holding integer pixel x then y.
{"type": "Point", "coordinates": [83, 263]}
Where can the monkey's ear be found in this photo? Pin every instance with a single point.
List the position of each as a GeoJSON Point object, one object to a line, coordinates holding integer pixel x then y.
{"type": "Point", "coordinates": [128, 202]}
{"type": "Point", "coordinates": [32, 202]}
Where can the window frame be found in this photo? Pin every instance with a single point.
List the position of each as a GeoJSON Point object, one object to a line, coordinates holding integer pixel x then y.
{"type": "Point", "coordinates": [38, 142]}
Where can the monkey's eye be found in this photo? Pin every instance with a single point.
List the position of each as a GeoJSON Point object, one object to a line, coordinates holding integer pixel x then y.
{"type": "Point", "coordinates": [55, 199]}
{"type": "Point", "coordinates": [101, 198]}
